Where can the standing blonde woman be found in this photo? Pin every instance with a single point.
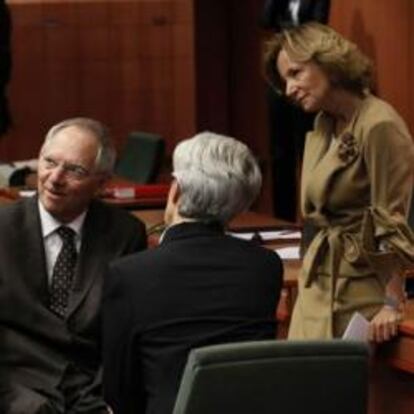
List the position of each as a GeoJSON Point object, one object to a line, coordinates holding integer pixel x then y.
{"type": "Point", "coordinates": [357, 180]}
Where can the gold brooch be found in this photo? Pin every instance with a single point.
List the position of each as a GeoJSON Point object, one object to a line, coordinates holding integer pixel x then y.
{"type": "Point", "coordinates": [347, 149]}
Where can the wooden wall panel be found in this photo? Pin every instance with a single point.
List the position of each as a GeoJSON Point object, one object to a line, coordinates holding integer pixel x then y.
{"type": "Point", "coordinates": [248, 119]}
{"type": "Point", "coordinates": [248, 104]}
{"type": "Point", "coordinates": [383, 30]}
{"type": "Point", "coordinates": [410, 86]}
{"type": "Point", "coordinates": [123, 62]}
{"type": "Point", "coordinates": [213, 42]}
{"type": "Point", "coordinates": [184, 75]}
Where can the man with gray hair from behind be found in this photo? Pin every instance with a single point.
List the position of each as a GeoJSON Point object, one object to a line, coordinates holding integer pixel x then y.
{"type": "Point", "coordinates": [198, 287]}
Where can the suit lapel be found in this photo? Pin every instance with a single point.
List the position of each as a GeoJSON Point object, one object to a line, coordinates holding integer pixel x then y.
{"type": "Point", "coordinates": [93, 252]}
{"type": "Point", "coordinates": [317, 145]}
{"type": "Point", "coordinates": [324, 172]}
{"type": "Point", "coordinates": [321, 165]}
{"type": "Point", "coordinates": [32, 247]}
{"type": "Point", "coordinates": [323, 160]}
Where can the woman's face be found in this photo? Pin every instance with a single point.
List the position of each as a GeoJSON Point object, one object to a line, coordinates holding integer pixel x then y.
{"type": "Point", "coordinates": [306, 83]}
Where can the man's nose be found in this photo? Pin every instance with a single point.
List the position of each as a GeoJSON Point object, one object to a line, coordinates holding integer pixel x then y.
{"type": "Point", "coordinates": [57, 174]}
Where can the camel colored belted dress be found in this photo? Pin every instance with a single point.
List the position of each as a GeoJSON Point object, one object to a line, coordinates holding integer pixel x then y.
{"type": "Point", "coordinates": [356, 188]}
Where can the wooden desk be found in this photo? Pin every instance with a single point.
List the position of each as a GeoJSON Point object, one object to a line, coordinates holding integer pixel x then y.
{"type": "Point", "coordinates": [392, 374]}
{"type": "Point", "coordinates": [400, 354]}
{"type": "Point", "coordinates": [8, 195]}
{"type": "Point", "coordinates": [150, 217]}
{"type": "Point", "coordinates": [144, 203]}
{"type": "Point", "coordinates": [248, 221]}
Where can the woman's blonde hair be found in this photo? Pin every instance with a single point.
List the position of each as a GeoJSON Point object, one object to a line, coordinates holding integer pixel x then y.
{"type": "Point", "coordinates": [342, 61]}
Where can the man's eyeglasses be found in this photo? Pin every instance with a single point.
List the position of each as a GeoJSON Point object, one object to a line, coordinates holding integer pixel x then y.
{"type": "Point", "coordinates": [72, 171]}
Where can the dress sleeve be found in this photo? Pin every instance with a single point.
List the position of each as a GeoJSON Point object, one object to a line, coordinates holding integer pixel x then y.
{"type": "Point", "coordinates": [389, 157]}
{"type": "Point", "coordinates": [386, 238]}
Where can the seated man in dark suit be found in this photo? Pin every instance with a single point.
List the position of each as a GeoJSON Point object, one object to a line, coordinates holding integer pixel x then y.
{"type": "Point", "coordinates": [198, 287]}
{"type": "Point", "coordinates": [53, 250]}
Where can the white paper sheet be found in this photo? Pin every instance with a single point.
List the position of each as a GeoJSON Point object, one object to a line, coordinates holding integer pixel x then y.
{"type": "Point", "coordinates": [288, 253]}
{"type": "Point", "coordinates": [124, 192]}
{"type": "Point", "coordinates": [270, 235]}
{"type": "Point", "coordinates": [357, 329]}
{"type": "Point", "coordinates": [27, 193]}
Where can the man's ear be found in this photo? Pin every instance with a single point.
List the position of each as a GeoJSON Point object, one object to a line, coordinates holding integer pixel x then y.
{"type": "Point", "coordinates": [171, 209]}
{"type": "Point", "coordinates": [103, 180]}
{"type": "Point", "coordinates": [176, 191]}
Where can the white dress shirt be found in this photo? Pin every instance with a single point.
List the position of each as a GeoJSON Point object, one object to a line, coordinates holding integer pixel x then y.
{"type": "Point", "coordinates": [52, 241]}
{"type": "Point", "coordinates": [294, 11]}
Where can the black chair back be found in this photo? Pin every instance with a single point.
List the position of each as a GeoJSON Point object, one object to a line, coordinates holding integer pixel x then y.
{"type": "Point", "coordinates": [141, 158]}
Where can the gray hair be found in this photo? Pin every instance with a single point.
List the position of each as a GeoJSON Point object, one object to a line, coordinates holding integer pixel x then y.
{"type": "Point", "coordinates": [105, 157]}
{"type": "Point", "coordinates": [218, 177]}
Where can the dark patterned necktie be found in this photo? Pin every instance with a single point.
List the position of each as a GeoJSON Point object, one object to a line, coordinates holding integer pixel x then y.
{"type": "Point", "coordinates": [63, 272]}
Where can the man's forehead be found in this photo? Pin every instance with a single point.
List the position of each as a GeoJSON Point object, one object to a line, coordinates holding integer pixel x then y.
{"type": "Point", "coordinates": [76, 132]}
{"type": "Point", "coordinates": [72, 138]}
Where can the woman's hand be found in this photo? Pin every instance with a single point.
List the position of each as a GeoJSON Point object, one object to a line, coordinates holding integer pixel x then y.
{"type": "Point", "coordinates": [384, 325]}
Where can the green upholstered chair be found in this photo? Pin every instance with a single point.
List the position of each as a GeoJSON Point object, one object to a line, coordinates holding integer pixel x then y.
{"type": "Point", "coordinates": [141, 158]}
{"type": "Point", "coordinates": [272, 377]}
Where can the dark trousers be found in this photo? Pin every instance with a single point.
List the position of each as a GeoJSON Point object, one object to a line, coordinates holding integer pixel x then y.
{"type": "Point", "coordinates": [79, 392]}
{"type": "Point", "coordinates": [288, 126]}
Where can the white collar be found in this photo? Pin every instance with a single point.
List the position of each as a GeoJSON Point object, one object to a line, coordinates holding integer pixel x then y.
{"type": "Point", "coordinates": [50, 224]}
